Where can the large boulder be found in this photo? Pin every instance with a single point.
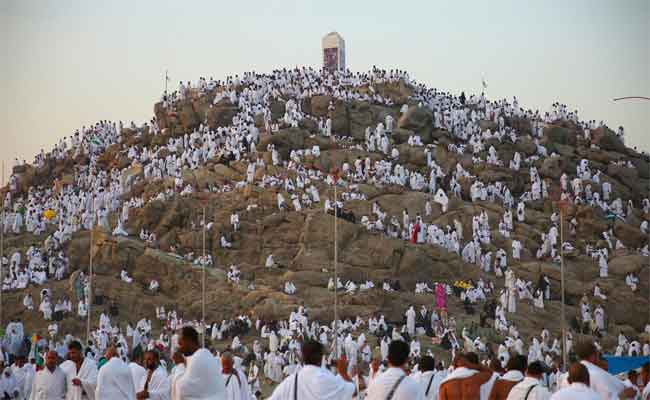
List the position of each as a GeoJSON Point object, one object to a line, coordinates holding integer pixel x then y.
{"type": "Point", "coordinates": [628, 176]}
{"type": "Point", "coordinates": [621, 266]}
{"type": "Point", "coordinates": [319, 105]}
{"type": "Point", "coordinates": [526, 146]}
{"type": "Point", "coordinates": [340, 119]}
{"type": "Point", "coordinates": [560, 135]}
{"type": "Point", "coordinates": [552, 167]}
{"type": "Point", "coordinates": [413, 156]}
{"type": "Point", "coordinates": [400, 136]}
{"type": "Point", "coordinates": [607, 140]}
{"type": "Point", "coordinates": [419, 120]}
{"type": "Point", "coordinates": [129, 175]}
{"type": "Point", "coordinates": [642, 166]}
{"type": "Point", "coordinates": [361, 116]}
{"type": "Point", "coordinates": [188, 117]}
{"type": "Point", "coordinates": [277, 109]}
{"type": "Point", "coordinates": [161, 114]}
{"type": "Point", "coordinates": [284, 141]}
{"type": "Point", "coordinates": [221, 114]}
{"type": "Point", "coordinates": [399, 92]}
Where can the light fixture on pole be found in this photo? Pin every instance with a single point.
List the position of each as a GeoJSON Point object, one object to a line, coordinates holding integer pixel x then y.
{"type": "Point", "coordinates": [2, 239]}
{"type": "Point", "coordinates": [89, 299]}
{"type": "Point", "coordinates": [336, 278]}
{"type": "Point", "coordinates": [562, 204]}
{"type": "Point", "coordinates": [648, 99]}
{"type": "Point", "coordinates": [203, 284]}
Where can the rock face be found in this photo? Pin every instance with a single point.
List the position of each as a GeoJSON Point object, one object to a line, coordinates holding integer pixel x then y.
{"type": "Point", "coordinates": [302, 243]}
{"type": "Point", "coordinates": [418, 120]}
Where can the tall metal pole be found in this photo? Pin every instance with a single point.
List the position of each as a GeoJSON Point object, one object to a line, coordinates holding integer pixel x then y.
{"type": "Point", "coordinates": [2, 241]}
{"type": "Point", "coordinates": [166, 80]}
{"type": "Point", "coordinates": [89, 300]}
{"type": "Point", "coordinates": [203, 284]}
{"type": "Point", "coordinates": [336, 278]}
{"type": "Point", "coordinates": [563, 316]}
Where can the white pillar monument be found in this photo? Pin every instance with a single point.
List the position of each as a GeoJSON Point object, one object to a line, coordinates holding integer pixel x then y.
{"type": "Point", "coordinates": [333, 52]}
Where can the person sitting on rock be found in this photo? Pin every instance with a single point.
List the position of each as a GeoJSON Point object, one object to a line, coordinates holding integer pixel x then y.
{"type": "Point", "coordinates": [289, 288]}
{"type": "Point", "coordinates": [234, 221]}
{"type": "Point", "coordinates": [28, 302]}
{"type": "Point", "coordinates": [119, 230]}
{"type": "Point", "coordinates": [386, 286]}
{"type": "Point", "coordinates": [125, 276]}
{"type": "Point", "coordinates": [632, 281]}
{"type": "Point", "coordinates": [225, 243]}
{"type": "Point", "coordinates": [282, 204]}
{"type": "Point", "coordinates": [442, 199]}
{"type": "Point", "coordinates": [82, 309]}
{"type": "Point", "coordinates": [598, 292]}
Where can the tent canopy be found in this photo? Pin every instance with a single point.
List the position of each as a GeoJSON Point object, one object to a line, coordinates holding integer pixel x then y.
{"type": "Point", "coordinates": [616, 365]}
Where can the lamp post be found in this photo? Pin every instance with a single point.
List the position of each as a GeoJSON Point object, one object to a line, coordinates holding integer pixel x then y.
{"type": "Point", "coordinates": [562, 206]}
{"type": "Point", "coordinates": [336, 279]}
{"type": "Point", "coordinates": [2, 239]}
{"type": "Point", "coordinates": [89, 299]}
{"type": "Point", "coordinates": [203, 284]}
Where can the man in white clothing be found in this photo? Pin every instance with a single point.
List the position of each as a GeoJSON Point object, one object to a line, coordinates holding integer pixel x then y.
{"type": "Point", "coordinates": [9, 385]}
{"type": "Point", "coordinates": [394, 383]}
{"type": "Point", "coordinates": [428, 379]}
{"type": "Point", "coordinates": [410, 321]}
{"type": "Point", "coordinates": [312, 382]}
{"type": "Point", "coordinates": [605, 384]}
{"type": "Point", "coordinates": [49, 383]}
{"type": "Point", "coordinates": [578, 388]}
{"type": "Point", "coordinates": [155, 385]}
{"type": "Point", "coordinates": [81, 374]}
{"type": "Point", "coordinates": [202, 379]}
{"type": "Point", "coordinates": [137, 370]}
{"type": "Point", "coordinates": [114, 380]}
{"type": "Point", "coordinates": [236, 383]}
{"type": "Point", "coordinates": [531, 388]}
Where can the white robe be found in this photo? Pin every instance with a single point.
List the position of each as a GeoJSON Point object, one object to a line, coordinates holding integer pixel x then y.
{"type": "Point", "coordinates": [114, 381]}
{"type": "Point", "coordinates": [137, 371]}
{"type": "Point", "coordinates": [237, 389]}
{"type": "Point", "coordinates": [576, 391]}
{"type": "Point", "coordinates": [606, 385]}
{"type": "Point", "coordinates": [159, 385]}
{"type": "Point", "coordinates": [49, 385]}
{"type": "Point", "coordinates": [176, 373]}
{"type": "Point", "coordinates": [381, 386]}
{"type": "Point", "coordinates": [201, 380]}
{"type": "Point", "coordinates": [87, 374]}
{"type": "Point", "coordinates": [314, 383]}
{"type": "Point", "coordinates": [430, 380]}
{"type": "Point", "coordinates": [410, 321]}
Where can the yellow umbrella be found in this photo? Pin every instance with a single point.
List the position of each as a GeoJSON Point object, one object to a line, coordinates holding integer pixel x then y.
{"type": "Point", "coordinates": [49, 214]}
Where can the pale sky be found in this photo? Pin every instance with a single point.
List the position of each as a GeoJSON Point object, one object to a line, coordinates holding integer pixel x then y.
{"type": "Point", "coordinates": [71, 63]}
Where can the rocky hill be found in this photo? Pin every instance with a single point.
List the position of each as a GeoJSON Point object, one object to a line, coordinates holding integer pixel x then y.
{"type": "Point", "coordinates": [302, 241]}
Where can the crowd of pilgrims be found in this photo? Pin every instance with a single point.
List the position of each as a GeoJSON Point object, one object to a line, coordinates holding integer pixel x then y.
{"type": "Point", "coordinates": [107, 367]}
{"type": "Point", "coordinates": [95, 194]}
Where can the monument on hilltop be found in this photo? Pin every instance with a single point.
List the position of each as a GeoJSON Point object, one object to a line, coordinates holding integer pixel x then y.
{"type": "Point", "coordinates": [333, 52]}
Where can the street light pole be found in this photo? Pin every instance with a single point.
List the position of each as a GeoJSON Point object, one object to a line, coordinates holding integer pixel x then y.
{"type": "Point", "coordinates": [203, 284]}
{"type": "Point", "coordinates": [336, 279]}
{"type": "Point", "coordinates": [2, 240]}
{"type": "Point", "coordinates": [89, 300]}
{"type": "Point", "coordinates": [563, 315]}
